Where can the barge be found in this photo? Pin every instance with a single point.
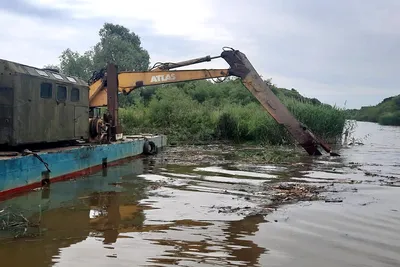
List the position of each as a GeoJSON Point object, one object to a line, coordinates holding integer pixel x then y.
{"type": "Point", "coordinates": [24, 172]}
{"type": "Point", "coordinates": [72, 137]}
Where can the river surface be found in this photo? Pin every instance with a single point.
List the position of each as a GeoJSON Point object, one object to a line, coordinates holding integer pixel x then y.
{"type": "Point", "coordinates": [154, 212]}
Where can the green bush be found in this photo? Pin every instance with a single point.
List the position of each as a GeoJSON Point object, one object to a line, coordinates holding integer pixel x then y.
{"type": "Point", "coordinates": [385, 113]}
{"type": "Point", "coordinates": [204, 111]}
{"type": "Point", "coordinates": [390, 118]}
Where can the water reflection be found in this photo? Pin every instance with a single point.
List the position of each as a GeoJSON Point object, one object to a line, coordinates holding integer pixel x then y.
{"type": "Point", "coordinates": [247, 251]}
{"type": "Point", "coordinates": [117, 211]}
{"type": "Point", "coordinates": [150, 212]}
{"type": "Point", "coordinates": [63, 227]}
{"type": "Point", "coordinates": [112, 218]}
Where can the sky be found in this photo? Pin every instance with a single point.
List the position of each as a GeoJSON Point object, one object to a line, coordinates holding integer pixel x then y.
{"type": "Point", "coordinates": [344, 53]}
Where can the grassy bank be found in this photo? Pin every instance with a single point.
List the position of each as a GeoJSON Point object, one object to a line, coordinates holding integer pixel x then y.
{"type": "Point", "coordinates": [202, 111]}
{"type": "Point", "coordinates": [386, 112]}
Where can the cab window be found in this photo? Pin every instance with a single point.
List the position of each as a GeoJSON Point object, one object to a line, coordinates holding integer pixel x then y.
{"type": "Point", "coordinates": [61, 93]}
{"type": "Point", "coordinates": [46, 90]}
{"type": "Point", "coordinates": [74, 95]}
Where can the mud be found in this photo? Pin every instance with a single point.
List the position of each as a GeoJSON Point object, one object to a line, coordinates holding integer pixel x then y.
{"type": "Point", "coordinates": [219, 205]}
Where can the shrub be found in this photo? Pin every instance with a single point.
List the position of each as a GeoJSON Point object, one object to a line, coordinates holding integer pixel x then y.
{"type": "Point", "coordinates": [390, 118]}
{"type": "Point", "coordinates": [203, 111]}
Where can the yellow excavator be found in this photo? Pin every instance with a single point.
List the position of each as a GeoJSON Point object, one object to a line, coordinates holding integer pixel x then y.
{"type": "Point", "coordinates": [106, 84]}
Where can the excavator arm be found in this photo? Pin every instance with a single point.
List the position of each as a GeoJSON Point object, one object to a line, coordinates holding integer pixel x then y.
{"type": "Point", "coordinates": [106, 85]}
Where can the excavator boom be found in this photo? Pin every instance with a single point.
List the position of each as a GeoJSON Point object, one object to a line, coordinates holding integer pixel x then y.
{"type": "Point", "coordinates": [104, 89]}
{"type": "Point", "coordinates": [129, 81]}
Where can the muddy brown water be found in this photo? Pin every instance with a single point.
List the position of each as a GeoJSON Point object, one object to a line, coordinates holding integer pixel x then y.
{"type": "Point", "coordinates": [151, 212]}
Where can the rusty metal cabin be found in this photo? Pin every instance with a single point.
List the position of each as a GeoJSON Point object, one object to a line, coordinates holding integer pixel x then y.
{"type": "Point", "coordinates": [40, 105]}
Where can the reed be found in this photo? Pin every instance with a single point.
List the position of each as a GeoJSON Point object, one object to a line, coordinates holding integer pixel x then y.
{"type": "Point", "coordinates": [203, 111]}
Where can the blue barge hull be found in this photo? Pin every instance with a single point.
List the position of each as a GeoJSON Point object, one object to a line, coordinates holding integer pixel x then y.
{"type": "Point", "coordinates": [22, 173]}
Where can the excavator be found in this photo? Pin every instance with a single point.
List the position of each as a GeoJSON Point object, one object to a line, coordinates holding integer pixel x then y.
{"type": "Point", "coordinates": [106, 84]}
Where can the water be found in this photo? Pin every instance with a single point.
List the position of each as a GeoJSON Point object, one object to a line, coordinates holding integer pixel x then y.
{"type": "Point", "coordinates": [150, 213]}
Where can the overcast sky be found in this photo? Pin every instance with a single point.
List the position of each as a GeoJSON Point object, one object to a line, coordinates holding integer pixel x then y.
{"type": "Point", "coordinates": [337, 51]}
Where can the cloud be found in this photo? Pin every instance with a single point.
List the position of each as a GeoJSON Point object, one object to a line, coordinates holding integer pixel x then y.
{"type": "Point", "coordinates": [185, 19]}
{"type": "Point", "coordinates": [26, 9]}
{"type": "Point", "coordinates": [30, 41]}
{"type": "Point", "coordinates": [334, 51]}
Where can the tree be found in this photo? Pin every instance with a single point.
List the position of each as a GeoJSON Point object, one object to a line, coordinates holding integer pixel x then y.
{"type": "Point", "coordinates": [117, 45]}
{"type": "Point", "coordinates": [72, 63]}
{"type": "Point", "coordinates": [52, 67]}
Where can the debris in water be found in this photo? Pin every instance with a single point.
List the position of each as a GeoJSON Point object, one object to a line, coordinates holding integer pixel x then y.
{"type": "Point", "coordinates": [334, 200]}
{"type": "Point", "coordinates": [15, 223]}
{"type": "Point", "coordinates": [284, 193]}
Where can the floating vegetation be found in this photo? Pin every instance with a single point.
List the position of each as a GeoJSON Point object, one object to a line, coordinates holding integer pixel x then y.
{"type": "Point", "coordinates": [14, 222]}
